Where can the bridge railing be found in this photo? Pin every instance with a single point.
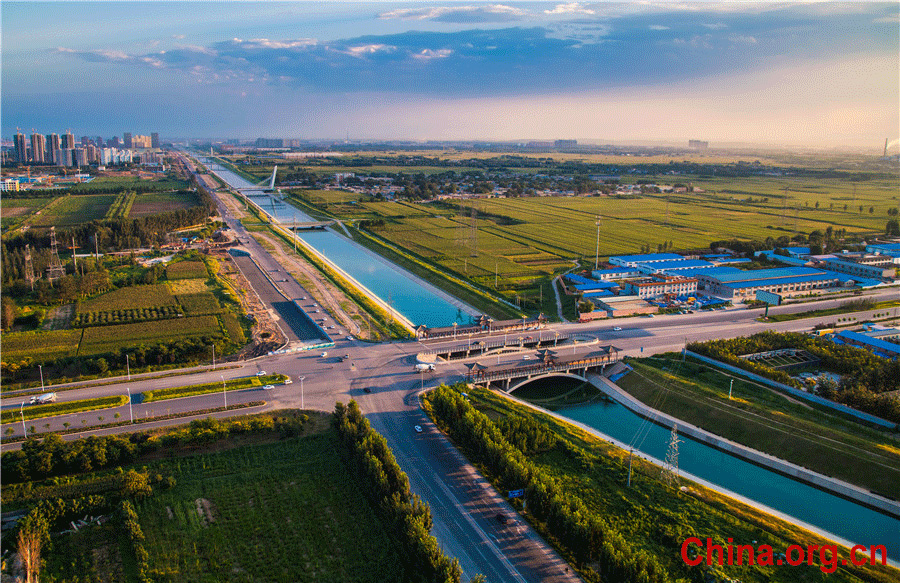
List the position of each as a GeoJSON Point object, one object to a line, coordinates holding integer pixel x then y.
{"type": "Point", "coordinates": [477, 347]}
{"type": "Point", "coordinates": [524, 371]}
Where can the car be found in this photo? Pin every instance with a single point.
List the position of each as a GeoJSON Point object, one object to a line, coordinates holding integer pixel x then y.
{"type": "Point", "coordinates": [268, 387]}
{"type": "Point", "coordinates": [367, 390]}
{"type": "Point", "coordinates": [617, 329]}
{"type": "Point", "coordinates": [349, 337]}
{"type": "Point", "coordinates": [261, 373]}
{"type": "Point", "coordinates": [526, 357]}
{"type": "Point", "coordinates": [501, 518]}
{"type": "Point", "coordinates": [324, 354]}
{"type": "Point", "coordinates": [288, 381]}
{"type": "Point", "coordinates": [418, 428]}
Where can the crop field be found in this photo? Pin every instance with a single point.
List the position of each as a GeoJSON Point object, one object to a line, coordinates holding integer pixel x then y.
{"type": "Point", "coordinates": [74, 210]}
{"type": "Point", "coordinates": [157, 202]}
{"type": "Point", "coordinates": [105, 339]}
{"type": "Point", "coordinates": [275, 512]}
{"type": "Point", "coordinates": [199, 304]}
{"type": "Point", "coordinates": [153, 295]}
{"type": "Point", "coordinates": [186, 270]}
{"type": "Point", "coordinates": [40, 346]}
{"type": "Point", "coordinates": [183, 287]}
{"type": "Point", "coordinates": [530, 237]}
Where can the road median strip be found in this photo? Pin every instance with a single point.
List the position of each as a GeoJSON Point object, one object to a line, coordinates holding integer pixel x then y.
{"type": "Point", "coordinates": [56, 409]}
{"type": "Point", "coordinates": [214, 387]}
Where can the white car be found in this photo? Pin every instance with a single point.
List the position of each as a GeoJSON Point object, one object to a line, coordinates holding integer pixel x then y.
{"type": "Point", "coordinates": [526, 357]}
{"type": "Point", "coordinates": [617, 329]}
{"type": "Point", "coordinates": [268, 387]}
{"type": "Point", "coordinates": [418, 428]}
{"type": "Point", "coordinates": [288, 381]}
{"type": "Point", "coordinates": [324, 354]}
{"type": "Point", "coordinates": [349, 337]}
{"type": "Point", "coordinates": [261, 373]}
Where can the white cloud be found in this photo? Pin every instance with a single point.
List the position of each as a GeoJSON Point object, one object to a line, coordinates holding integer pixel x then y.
{"type": "Point", "coordinates": [264, 43]}
{"type": "Point", "coordinates": [891, 19]}
{"type": "Point", "coordinates": [658, 27]}
{"type": "Point", "coordinates": [571, 8]}
{"type": "Point", "coordinates": [363, 50]}
{"type": "Point", "coordinates": [742, 39]}
{"type": "Point", "coordinates": [716, 26]}
{"type": "Point", "coordinates": [443, 12]}
{"type": "Point", "coordinates": [428, 54]}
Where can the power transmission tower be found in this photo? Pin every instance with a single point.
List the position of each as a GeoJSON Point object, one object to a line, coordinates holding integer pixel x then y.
{"type": "Point", "coordinates": [55, 270]}
{"type": "Point", "coordinates": [670, 468]}
{"type": "Point", "coordinates": [29, 267]}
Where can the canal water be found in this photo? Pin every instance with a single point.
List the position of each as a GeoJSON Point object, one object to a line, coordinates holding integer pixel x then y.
{"type": "Point", "coordinates": [417, 300]}
{"type": "Point", "coordinates": [818, 508]}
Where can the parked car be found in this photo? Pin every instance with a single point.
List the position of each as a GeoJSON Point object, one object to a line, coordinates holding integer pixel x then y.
{"type": "Point", "coordinates": [261, 373]}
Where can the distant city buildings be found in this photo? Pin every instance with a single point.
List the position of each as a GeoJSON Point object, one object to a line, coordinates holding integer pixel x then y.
{"type": "Point", "coordinates": [64, 150]}
{"type": "Point", "coordinates": [698, 144]}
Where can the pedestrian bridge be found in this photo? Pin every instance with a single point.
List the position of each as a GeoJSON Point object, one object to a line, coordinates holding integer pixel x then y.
{"type": "Point", "coordinates": [549, 364]}
{"type": "Point", "coordinates": [307, 226]}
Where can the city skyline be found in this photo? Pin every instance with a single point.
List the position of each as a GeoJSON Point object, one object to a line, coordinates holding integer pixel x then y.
{"type": "Point", "coordinates": [822, 74]}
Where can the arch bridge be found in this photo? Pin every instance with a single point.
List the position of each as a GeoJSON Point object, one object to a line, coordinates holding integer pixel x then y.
{"type": "Point", "coordinates": [549, 364]}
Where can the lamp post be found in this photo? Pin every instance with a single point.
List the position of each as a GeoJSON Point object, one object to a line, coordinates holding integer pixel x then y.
{"type": "Point", "coordinates": [128, 367]}
{"type": "Point", "coordinates": [22, 414]}
{"type": "Point", "coordinates": [302, 402]}
{"type": "Point", "coordinates": [41, 369]}
{"type": "Point", "coordinates": [214, 357]}
{"type": "Point", "coordinates": [130, 412]}
{"type": "Point", "coordinates": [454, 331]}
{"type": "Point", "coordinates": [224, 395]}
{"type": "Point", "coordinates": [597, 255]}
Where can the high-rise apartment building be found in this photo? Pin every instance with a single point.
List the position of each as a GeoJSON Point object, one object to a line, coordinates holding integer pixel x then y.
{"type": "Point", "coordinates": [128, 141]}
{"type": "Point", "coordinates": [140, 141]}
{"type": "Point", "coordinates": [114, 142]}
{"type": "Point", "coordinates": [154, 140]}
{"type": "Point", "coordinates": [21, 148]}
{"type": "Point", "coordinates": [53, 146]}
{"type": "Point", "coordinates": [38, 148]}
{"type": "Point", "coordinates": [68, 141]}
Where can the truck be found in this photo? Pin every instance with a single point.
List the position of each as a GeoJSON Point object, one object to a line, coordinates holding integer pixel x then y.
{"type": "Point", "coordinates": [43, 399]}
{"type": "Point", "coordinates": [424, 367]}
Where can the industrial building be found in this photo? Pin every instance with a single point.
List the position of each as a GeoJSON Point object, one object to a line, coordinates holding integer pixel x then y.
{"type": "Point", "coordinates": [891, 250]}
{"type": "Point", "coordinates": [645, 259]}
{"type": "Point", "coordinates": [877, 346]}
{"type": "Point", "coordinates": [734, 284]}
{"type": "Point", "coordinates": [881, 270]}
{"type": "Point", "coordinates": [659, 285]}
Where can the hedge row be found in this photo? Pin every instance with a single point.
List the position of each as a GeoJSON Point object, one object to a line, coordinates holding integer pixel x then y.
{"type": "Point", "coordinates": [55, 409]}
{"type": "Point", "coordinates": [136, 536]}
{"type": "Point", "coordinates": [202, 389]}
{"type": "Point", "coordinates": [407, 519]}
{"type": "Point", "coordinates": [602, 552]}
{"type": "Point", "coordinates": [106, 317]}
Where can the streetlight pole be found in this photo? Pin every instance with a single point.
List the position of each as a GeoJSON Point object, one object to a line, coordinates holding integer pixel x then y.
{"type": "Point", "coordinates": [130, 412]}
{"type": "Point", "coordinates": [302, 400]}
{"type": "Point", "coordinates": [597, 255]}
{"type": "Point", "coordinates": [41, 369]}
{"type": "Point", "coordinates": [22, 414]}
{"type": "Point", "coordinates": [224, 394]}
{"type": "Point", "coordinates": [128, 367]}
{"type": "Point", "coordinates": [214, 356]}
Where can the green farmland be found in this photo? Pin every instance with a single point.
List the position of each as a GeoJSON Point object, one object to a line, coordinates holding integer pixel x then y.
{"type": "Point", "coordinates": [68, 211]}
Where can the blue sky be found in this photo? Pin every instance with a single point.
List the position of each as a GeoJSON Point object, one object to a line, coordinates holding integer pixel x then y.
{"type": "Point", "coordinates": [815, 74]}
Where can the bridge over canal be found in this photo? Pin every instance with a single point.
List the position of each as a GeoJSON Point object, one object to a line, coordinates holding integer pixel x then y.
{"type": "Point", "coordinates": [549, 364]}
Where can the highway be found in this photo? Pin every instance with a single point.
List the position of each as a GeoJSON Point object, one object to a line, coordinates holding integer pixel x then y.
{"type": "Point", "coordinates": [381, 377]}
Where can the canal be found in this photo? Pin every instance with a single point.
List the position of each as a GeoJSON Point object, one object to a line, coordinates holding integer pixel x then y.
{"type": "Point", "coordinates": [417, 300]}
{"type": "Point", "coordinates": [831, 513]}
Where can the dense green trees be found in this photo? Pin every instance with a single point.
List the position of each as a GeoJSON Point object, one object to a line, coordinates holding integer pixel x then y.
{"type": "Point", "coordinates": [406, 517]}
{"type": "Point", "coordinates": [504, 449]}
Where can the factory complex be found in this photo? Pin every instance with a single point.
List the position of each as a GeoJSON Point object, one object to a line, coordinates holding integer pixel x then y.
{"type": "Point", "coordinates": [642, 284]}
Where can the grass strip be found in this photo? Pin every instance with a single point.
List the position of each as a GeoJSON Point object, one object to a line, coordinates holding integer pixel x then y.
{"type": "Point", "coordinates": [204, 388]}
{"type": "Point", "coordinates": [848, 308]}
{"type": "Point", "coordinates": [56, 409]}
{"type": "Point", "coordinates": [767, 421]}
{"type": "Point", "coordinates": [466, 291]}
{"type": "Point", "coordinates": [138, 421]}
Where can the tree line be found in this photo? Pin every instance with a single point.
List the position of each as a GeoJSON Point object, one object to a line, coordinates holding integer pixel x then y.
{"type": "Point", "coordinates": [406, 517]}
{"type": "Point", "coordinates": [597, 546]}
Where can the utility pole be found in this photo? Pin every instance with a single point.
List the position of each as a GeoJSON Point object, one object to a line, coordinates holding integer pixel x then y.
{"type": "Point", "coordinates": [302, 402]}
{"type": "Point", "coordinates": [670, 469]}
{"type": "Point", "coordinates": [128, 367]}
{"type": "Point", "coordinates": [729, 389]}
{"type": "Point", "coordinates": [630, 455]}
{"type": "Point", "coordinates": [130, 412]}
{"type": "Point", "coordinates": [224, 395]}
{"type": "Point", "coordinates": [597, 253]}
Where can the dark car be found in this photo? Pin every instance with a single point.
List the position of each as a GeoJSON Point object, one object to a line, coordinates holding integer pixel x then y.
{"type": "Point", "coordinates": [501, 518]}
{"type": "Point", "coordinates": [367, 390]}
